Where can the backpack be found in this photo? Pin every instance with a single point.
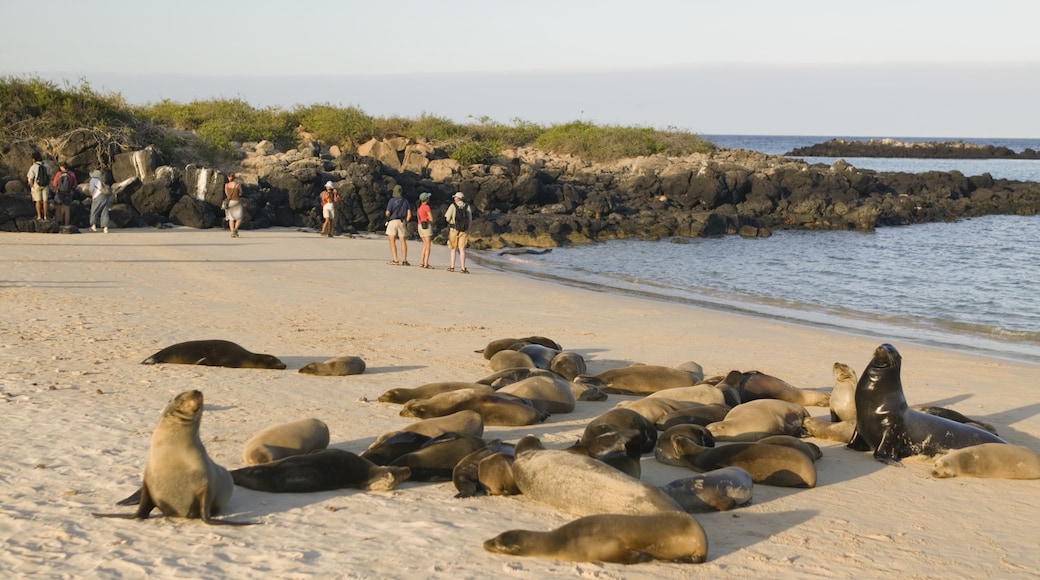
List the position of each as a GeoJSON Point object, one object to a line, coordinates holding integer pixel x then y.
{"type": "Point", "coordinates": [461, 217]}
{"type": "Point", "coordinates": [64, 183]}
{"type": "Point", "coordinates": [42, 177]}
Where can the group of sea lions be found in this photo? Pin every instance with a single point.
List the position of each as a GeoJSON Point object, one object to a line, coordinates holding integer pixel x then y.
{"type": "Point", "coordinates": [734, 430]}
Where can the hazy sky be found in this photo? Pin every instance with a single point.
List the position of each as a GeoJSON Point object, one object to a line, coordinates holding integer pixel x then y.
{"type": "Point", "coordinates": [803, 67]}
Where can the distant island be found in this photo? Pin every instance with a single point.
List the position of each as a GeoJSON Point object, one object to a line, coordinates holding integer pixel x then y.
{"type": "Point", "coordinates": [910, 149]}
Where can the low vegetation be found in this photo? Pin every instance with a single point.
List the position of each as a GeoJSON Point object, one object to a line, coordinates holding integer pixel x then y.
{"type": "Point", "coordinates": [34, 109]}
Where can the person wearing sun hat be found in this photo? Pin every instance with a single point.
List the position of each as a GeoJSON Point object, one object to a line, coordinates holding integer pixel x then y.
{"type": "Point", "coordinates": [329, 197]}
{"type": "Point", "coordinates": [425, 215]}
{"type": "Point", "coordinates": [398, 214]}
{"type": "Point", "coordinates": [99, 202]}
{"type": "Point", "coordinates": [459, 215]}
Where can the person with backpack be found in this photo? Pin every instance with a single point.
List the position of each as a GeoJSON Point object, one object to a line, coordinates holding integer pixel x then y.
{"type": "Point", "coordinates": [64, 184]}
{"type": "Point", "coordinates": [100, 200]}
{"type": "Point", "coordinates": [398, 214]}
{"type": "Point", "coordinates": [459, 216]}
{"type": "Point", "coordinates": [38, 180]}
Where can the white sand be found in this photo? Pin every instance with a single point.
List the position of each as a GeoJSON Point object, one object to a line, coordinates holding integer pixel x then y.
{"type": "Point", "coordinates": [81, 311]}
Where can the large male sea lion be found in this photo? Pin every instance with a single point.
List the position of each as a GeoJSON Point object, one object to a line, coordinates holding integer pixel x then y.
{"type": "Point", "coordinates": [997, 460]}
{"type": "Point", "coordinates": [339, 366]}
{"type": "Point", "coordinates": [623, 539]}
{"type": "Point", "coordinates": [639, 379]}
{"type": "Point", "coordinates": [214, 353]}
{"type": "Point", "coordinates": [323, 470]}
{"type": "Point", "coordinates": [886, 425]}
{"type": "Point", "coordinates": [179, 477]}
{"type": "Point", "coordinates": [294, 438]}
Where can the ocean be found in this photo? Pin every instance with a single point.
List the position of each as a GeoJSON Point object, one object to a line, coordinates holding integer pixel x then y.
{"type": "Point", "coordinates": [969, 285]}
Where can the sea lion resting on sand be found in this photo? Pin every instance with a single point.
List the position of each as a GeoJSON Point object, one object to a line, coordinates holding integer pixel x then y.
{"type": "Point", "coordinates": [280, 441]}
{"type": "Point", "coordinates": [323, 470]}
{"type": "Point", "coordinates": [214, 353]}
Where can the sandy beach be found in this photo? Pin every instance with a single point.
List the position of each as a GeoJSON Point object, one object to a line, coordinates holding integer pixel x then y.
{"type": "Point", "coordinates": [82, 311]}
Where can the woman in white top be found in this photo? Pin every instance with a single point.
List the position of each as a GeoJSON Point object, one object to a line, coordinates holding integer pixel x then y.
{"type": "Point", "coordinates": [100, 201]}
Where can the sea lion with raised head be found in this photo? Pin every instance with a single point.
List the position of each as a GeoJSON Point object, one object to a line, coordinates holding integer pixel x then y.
{"type": "Point", "coordinates": [622, 539]}
{"type": "Point", "coordinates": [843, 394]}
{"type": "Point", "coordinates": [179, 477]}
{"type": "Point", "coordinates": [323, 470]}
{"type": "Point", "coordinates": [339, 366]}
{"type": "Point", "coordinates": [886, 425]}
{"type": "Point", "coordinates": [279, 441]}
{"type": "Point", "coordinates": [214, 353]}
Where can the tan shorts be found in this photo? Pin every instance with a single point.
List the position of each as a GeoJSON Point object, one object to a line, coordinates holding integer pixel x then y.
{"type": "Point", "coordinates": [457, 239]}
{"type": "Point", "coordinates": [396, 229]}
{"type": "Point", "coordinates": [329, 210]}
{"type": "Point", "coordinates": [426, 232]}
{"type": "Point", "coordinates": [38, 192]}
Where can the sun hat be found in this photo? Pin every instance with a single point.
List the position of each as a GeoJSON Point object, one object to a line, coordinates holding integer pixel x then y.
{"type": "Point", "coordinates": [424, 196]}
{"type": "Point", "coordinates": [328, 184]}
{"type": "Point", "coordinates": [458, 194]}
{"type": "Point", "coordinates": [398, 190]}
{"type": "Point", "coordinates": [96, 174]}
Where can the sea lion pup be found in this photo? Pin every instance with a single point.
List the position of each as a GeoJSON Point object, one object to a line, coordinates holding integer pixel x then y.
{"type": "Point", "coordinates": [696, 415]}
{"type": "Point", "coordinates": [580, 485]}
{"type": "Point", "coordinates": [997, 460]}
{"type": "Point", "coordinates": [843, 395]}
{"type": "Point", "coordinates": [466, 474]}
{"type": "Point", "coordinates": [717, 490]}
{"type": "Point", "coordinates": [778, 465]}
{"type": "Point", "coordinates": [638, 379]}
{"type": "Point", "coordinates": [179, 477]}
{"type": "Point", "coordinates": [339, 366]}
{"type": "Point", "coordinates": [704, 394]}
{"type": "Point", "coordinates": [214, 353]}
{"type": "Point", "coordinates": [665, 450]}
{"type": "Point", "coordinates": [436, 459]}
{"type": "Point", "coordinates": [541, 356]}
{"type": "Point", "coordinates": [396, 445]}
{"type": "Point", "coordinates": [516, 344]}
{"type": "Point", "coordinates": [507, 359]}
{"type": "Point", "coordinates": [494, 408]}
{"type": "Point", "coordinates": [886, 425]}
{"type": "Point", "coordinates": [622, 420]}
{"type": "Point", "coordinates": [279, 441]}
{"type": "Point", "coordinates": [465, 421]}
{"type": "Point", "coordinates": [568, 365]}
{"type": "Point", "coordinates": [402, 395]}
{"type": "Point", "coordinates": [549, 394]}
{"type": "Point", "coordinates": [756, 385]}
{"type": "Point", "coordinates": [506, 377]}
{"type": "Point", "coordinates": [760, 418]}
{"type": "Point", "coordinates": [323, 470]}
{"type": "Point", "coordinates": [622, 539]}
{"type": "Point", "coordinates": [495, 473]}
{"type": "Point", "coordinates": [955, 416]}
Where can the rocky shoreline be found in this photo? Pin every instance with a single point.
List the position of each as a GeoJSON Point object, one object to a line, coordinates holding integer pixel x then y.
{"type": "Point", "coordinates": [527, 198]}
{"type": "Point", "coordinates": [911, 149]}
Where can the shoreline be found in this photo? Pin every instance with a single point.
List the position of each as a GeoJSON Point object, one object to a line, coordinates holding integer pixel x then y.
{"type": "Point", "coordinates": [80, 408]}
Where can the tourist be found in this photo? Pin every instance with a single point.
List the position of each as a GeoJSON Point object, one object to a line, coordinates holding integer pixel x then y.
{"type": "Point", "coordinates": [100, 200]}
{"type": "Point", "coordinates": [64, 184]}
{"type": "Point", "coordinates": [425, 215]}
{"type": "Point", "coordinates": [459, 216]}
{"type": "Point", "coordinates": [37, 178]}
{"type": "Point", "coordinates": [329, 197]}
{"type": "Point", "coordinates": [398, 214]}
{"type": "Point", "coordinates": [233, 193]}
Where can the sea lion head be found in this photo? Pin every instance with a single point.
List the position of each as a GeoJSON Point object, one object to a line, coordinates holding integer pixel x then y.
{"type": "Point", "coordinates": [265, 361]}
{"type": "Point", "coordinates": [185, 407]}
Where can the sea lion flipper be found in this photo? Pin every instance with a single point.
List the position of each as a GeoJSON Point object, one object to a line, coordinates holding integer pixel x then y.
{"type": "Point", "coordinates": [857, 443]}
{"type": "Point", "coordinates": [145, 505]}
{"type": "Point", "coordinates": [204, 507]}
{"type": "Point", "coordinates": [134, 498]}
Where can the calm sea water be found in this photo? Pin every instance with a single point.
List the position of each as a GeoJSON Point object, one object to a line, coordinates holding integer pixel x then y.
{"type": "Point", "coordinates": [969, 285]}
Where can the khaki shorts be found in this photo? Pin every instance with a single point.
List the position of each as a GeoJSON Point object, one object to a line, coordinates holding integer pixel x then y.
{"type": "Point", "coordinates": [457, 239]}
{"type": "Point", "coordinates": [329, 210]}
{"type": "Point", "coordinates": [397, 229]}
{"type": "Point", "coordinates": [38, 192]}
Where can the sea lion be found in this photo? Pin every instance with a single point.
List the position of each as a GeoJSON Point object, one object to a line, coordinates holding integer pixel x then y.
{"type": "Point", "coordinates": [665, 451]}
{"type": "Point", "coordinates": [568, 365]}
{"type": "Point", "coordinates": [886, 425]}
{"type": "Point", "coordinates": [580, 485]}
{"type": "Point", "coordinates": [621, 449]}
{"type": "Point", "coordinates": [840, 431]}
{"type": "Point", "coordinates": [704, 394]}
{"type": "Point", "coordinates": [729, 385]}
{"type": "Point", "coordinates": [638, 379]}
{"type": "Point", "coordinates": [495, 474]}
{"type": "Point", "coordinates": [778, 465]}
{"type": "Point", "coordinates": [623, 539]}
{"type": "Point", "coordinates": [294, 438]}
{"type": "Point", "coordinates": [695, 370]}
{"type": "Point", "coordinates": [955, 416]}
{"type": "Point", "coordinates": [843, 395]}
{"type": "Point", "coordinates": [996, 460]}
{"type": "Point", "coordinates": [811, 450]}
{"type": "Point", "coordinates": [522, 251]}
{"type": "Point", "coordinates": [396, 445]}
{"type": "Point", "coordinates": [403, 395]}
{"type": "Point", "coordinates": [515, 344]}
{"type": "Point", "coordinates": [465, 421]}
{"type": "Point", "coordinates": [760, 418]}
{"type": "Point", "coordinates": [756, 385]}
{"type": "Point", "coordinates": [494, 408]}
{"type": "Point", "coordinates": [506, 377]}
{"type": "Point", "coordinates": [466, 473]}
{"type": "Point", "coordinates": [549, 394]}
{"type": "Point", "coordinates": [717, 490]}
{"type": "Point", "coordinates": [696, 415]}
{"type": "Point", "coordinates": [435, 460]}
{"type": "Point", "coordinates": [214, 353]}
{"type": "Point", "coordinates": [616, 420]}
{"type": "Point", "coordinates": [340, 366]}
{"type": "Point", "coordinates": [653, 408]}
{"type": "Point", "coordinates": [179, 477]}
{"type": "Point", "coordinates": [508, 359]}
{"type": "Point", "coordinates": [541, 356]}
{"type": "Point", "coordinates": [323, 470]}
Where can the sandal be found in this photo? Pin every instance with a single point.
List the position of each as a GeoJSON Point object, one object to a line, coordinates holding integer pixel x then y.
{"type": "Point", "coordinates": [464, 271]}
{"type": "Point", "coordinates": [428, 267]}
{"type": "Point", "coordinates": [405, 263]}
{"type": "Point", "coordinates": [451, 269]}
{"type": "Point", "coordinates": [394, 263]}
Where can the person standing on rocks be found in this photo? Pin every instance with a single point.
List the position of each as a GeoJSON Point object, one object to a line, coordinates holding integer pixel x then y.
{"type": "Point", "coordinates": [425, 215]}
{"type": "Point", "coordinates": [64, 184]}
{"type": "Point", "coordinates": [100, 201]}
{"type": "Point", "coordinates": [233, 193]}
{"type": "Point", "coordinates": [38, 185]}
{"type": "Point", "coordinates": [398, 214]}
{"type": "Point", "coordinates": [329, 197]}
{"type": "Point", "coordinates": [459, 216]}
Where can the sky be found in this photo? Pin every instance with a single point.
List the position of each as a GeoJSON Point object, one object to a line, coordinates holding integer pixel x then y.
{"type": "Point", "coordinates": [918, 68]}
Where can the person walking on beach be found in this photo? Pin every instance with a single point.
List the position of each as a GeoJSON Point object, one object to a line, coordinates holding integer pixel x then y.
{"type": "Point", "coordinates": [398, 214]}
{"type": "Point", "coordinates": [233, 193]}
{"type": "Point", "coordinates": [459, 216]}
{"type": "Point", "coordinates": [100, 200]}
{"type": "Point", "coordinates": [37, 178]}
{"type": "Point", "coordinates": [329, 197]}
{"type": "Point", "coordinates": [64, 184]}
{"type": "Point", "coordinates": [425, 215]}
